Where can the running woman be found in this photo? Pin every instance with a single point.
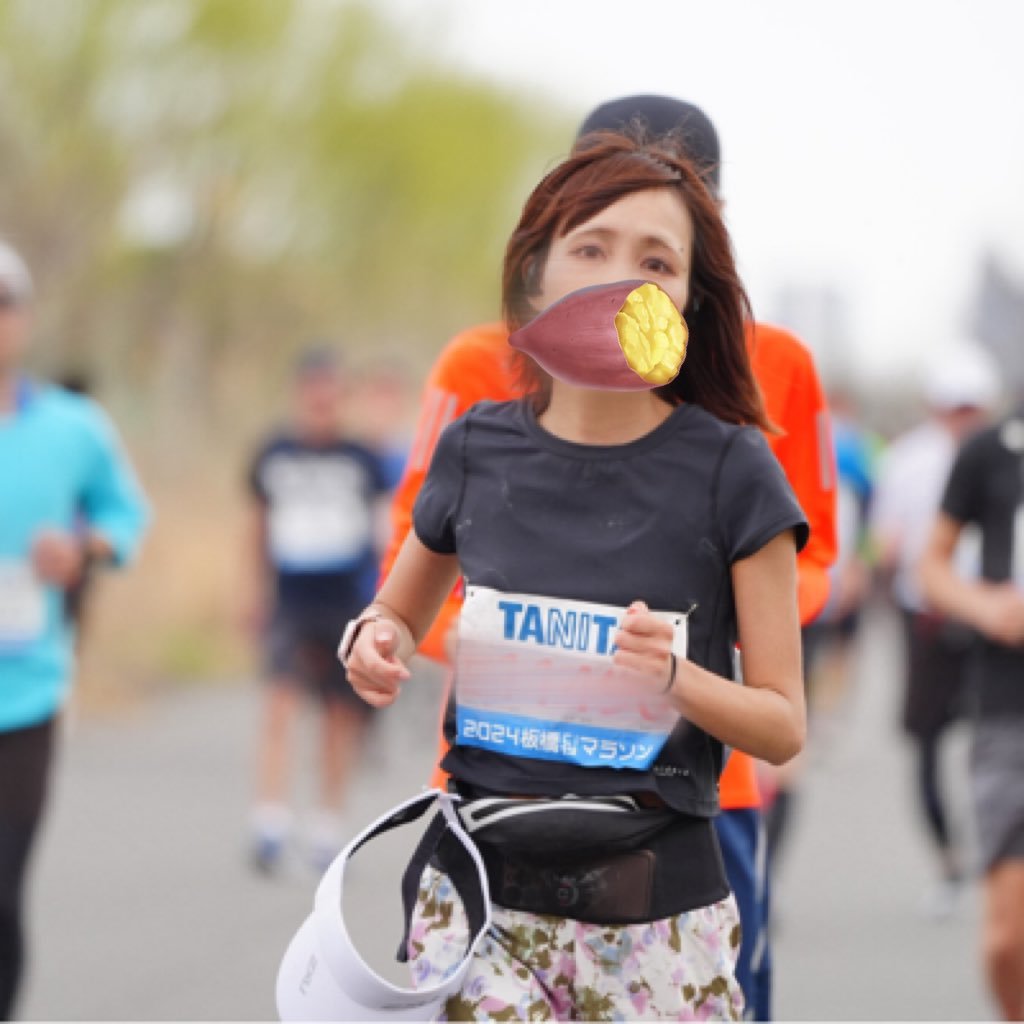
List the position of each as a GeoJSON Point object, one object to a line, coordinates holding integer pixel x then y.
{"type": "Point", "coordinates": [608, 504]}
{"type": "Point", "coordinates": [475, 365]}
{"type": "Point", "coordinates": [68, 500]}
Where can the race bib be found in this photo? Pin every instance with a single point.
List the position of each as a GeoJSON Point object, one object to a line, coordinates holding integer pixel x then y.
{"type": "Point", "coordinates": [22, 606]}
{"type": "Point", "coordinates": [535, 678]}
{"type": "Point", "coordinates": [312, 536]}
{"type": "Point", "coordinates": [320, 518]}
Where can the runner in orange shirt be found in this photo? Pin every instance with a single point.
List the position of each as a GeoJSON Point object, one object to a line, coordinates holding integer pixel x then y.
{"type": "Point", "coordinates": [475, 365]}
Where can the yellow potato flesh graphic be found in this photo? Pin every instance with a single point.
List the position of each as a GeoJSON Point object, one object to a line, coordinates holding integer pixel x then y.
{"type": "Point", "coordinates": [652, 334]}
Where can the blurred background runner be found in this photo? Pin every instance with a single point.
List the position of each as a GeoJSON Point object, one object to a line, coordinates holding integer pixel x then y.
{"type": "Point", "coordinates": [986, 489]}
{"type": "Point", "coordinates": [316, 498]}
{"type": "Point", "coordinates": [960, 391]}
{"type": "Point", "coordinates": [69, 500]}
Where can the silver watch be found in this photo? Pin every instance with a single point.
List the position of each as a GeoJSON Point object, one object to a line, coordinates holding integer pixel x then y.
{"type": "Point", "coordinates": [352, 628]}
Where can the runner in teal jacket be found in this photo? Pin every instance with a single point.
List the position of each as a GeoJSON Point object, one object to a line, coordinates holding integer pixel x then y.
{"type": "Point", "coordinates": [68, 498]}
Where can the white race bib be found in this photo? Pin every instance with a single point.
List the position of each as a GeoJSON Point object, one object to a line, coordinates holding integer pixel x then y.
{"type": "Point", "coordinates": [308, 535]}
{"type": "Point", "coordinates": [22, 606]}
{"type": "Point", "coordinates": [535, 678]}
{"type": "Point", "coordinates": [320, 519]}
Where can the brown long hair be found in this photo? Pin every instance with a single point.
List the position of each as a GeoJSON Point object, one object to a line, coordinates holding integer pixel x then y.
{"type": "Point", "coordinates": [603, 168]}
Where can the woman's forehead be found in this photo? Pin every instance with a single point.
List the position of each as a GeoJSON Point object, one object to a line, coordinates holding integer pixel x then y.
{"type": "Point", "coordinates": [657, 214]}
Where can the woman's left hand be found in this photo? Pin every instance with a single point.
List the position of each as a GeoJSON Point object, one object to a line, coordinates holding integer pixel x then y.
{"type": "Point", "coordinates": [644, 642]}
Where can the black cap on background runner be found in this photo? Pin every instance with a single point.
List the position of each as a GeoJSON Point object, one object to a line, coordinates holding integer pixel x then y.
{"type": "Point", "coordinates": [318, 357]}
{"type": "Point", "coordinates": [663, 115]}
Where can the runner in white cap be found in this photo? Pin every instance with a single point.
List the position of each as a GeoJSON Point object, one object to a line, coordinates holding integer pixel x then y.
{"type": "Point", "coordinates": [68, 499]}
{"type": "Point", "coordinates": [960, 390]}
{"type": "Point", "coordinates": [986, 490]}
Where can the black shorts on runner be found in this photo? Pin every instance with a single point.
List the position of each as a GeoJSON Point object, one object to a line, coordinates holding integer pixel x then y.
{"type": "Point", "coordinates": [302, 649]}
{"type": "Point", "coordinates": [937, 656]}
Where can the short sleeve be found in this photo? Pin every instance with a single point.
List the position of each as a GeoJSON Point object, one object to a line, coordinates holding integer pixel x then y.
{"type": "Point", "coordinates": [963, 488]}
{"type": "Point", "coordinates": [112, 498]}
{"type": "Point", "coordinates": [381, 481]}
{"type": "Point", "coordinates": [434, 512]}
{"type": "Point", "coordinates": [753, 500]}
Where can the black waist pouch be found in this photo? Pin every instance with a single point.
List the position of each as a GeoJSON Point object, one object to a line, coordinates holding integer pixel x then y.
{"type": "Point", "coordinates": [566, 828]}
{"type": "Point", "coordinates": [597, 860]}
{"type": "Point", "coordinates": [677, 868]}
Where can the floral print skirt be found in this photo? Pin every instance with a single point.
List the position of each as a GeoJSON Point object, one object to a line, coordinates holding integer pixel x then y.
{"type": "Point", "coordinates": [541, 967]}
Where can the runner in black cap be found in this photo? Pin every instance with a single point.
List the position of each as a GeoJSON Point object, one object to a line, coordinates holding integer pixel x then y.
{"type": "Point", "coordinates": [312, 561]}
{"type": "Point", "coordinates": [473, 366]}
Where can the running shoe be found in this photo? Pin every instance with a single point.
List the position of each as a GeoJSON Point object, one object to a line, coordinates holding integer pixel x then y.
{"type": "Point", "coordinates": [266, 854]}
{"type": "Point", "coordinates": [942, 901]}
{"type": "Point", "coordinates": [327, 834]}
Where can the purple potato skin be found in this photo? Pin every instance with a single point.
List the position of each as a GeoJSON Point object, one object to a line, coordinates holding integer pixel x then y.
{"type": "Point", "coordinates": [575, 339]}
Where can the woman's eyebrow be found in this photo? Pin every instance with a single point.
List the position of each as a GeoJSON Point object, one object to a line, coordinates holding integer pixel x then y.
{"type": "Point", "coordinates": [581, 231]}
{"type": "Point", "coordinates": [663, 243]}
{"type": "Point", "coordinates": [649, 239]}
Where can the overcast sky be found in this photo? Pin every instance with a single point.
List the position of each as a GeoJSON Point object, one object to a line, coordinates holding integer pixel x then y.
{"type": "Point", "coordinates": [874, 147]}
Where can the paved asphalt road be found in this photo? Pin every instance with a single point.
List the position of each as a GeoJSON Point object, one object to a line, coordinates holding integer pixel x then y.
{"type": "Point", "coordinates": [143, 908]}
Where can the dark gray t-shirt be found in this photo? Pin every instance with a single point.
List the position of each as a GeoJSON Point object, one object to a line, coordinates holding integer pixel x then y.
{"type": "Point", "coordinates": [660, 519]}
{"type": "Point", "coordinates": [319, 500]}
{"type": "Point", "coordinates": [986, 487]}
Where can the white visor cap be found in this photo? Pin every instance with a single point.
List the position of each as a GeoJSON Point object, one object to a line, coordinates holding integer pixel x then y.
{"type": "Point", "coordinates": [964, 375]}
{"type": "Point", "coordinates": [322, 976]}
{"type": "Point", "coordinates": [14, 274]}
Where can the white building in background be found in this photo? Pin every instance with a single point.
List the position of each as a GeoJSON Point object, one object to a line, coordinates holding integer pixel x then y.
{"type": "Point", "coordinates": [820, 316]}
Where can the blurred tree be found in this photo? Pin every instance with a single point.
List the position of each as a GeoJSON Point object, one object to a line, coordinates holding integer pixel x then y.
{"type": "Point", "coordinates": [201, 185]}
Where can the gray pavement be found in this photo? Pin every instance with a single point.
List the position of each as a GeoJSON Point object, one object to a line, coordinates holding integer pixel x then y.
{"type": "Point", "coordinates": [142, 905]}
{"type": "Point", "coordinates": [852, 940]}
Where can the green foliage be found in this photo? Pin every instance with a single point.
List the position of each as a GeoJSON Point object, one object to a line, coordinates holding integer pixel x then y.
{"type": "Point", "coordinates": [201, 185]}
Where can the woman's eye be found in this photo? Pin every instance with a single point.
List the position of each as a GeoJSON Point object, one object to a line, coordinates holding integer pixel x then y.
{"type": "Point", "coordinates": [658, 266]}
{"type": "Point", "coordinates": [587, 252]}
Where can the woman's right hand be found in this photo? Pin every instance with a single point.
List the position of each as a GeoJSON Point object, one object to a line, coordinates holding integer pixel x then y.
{"type": "Point", "coordinates": [373, 666]}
